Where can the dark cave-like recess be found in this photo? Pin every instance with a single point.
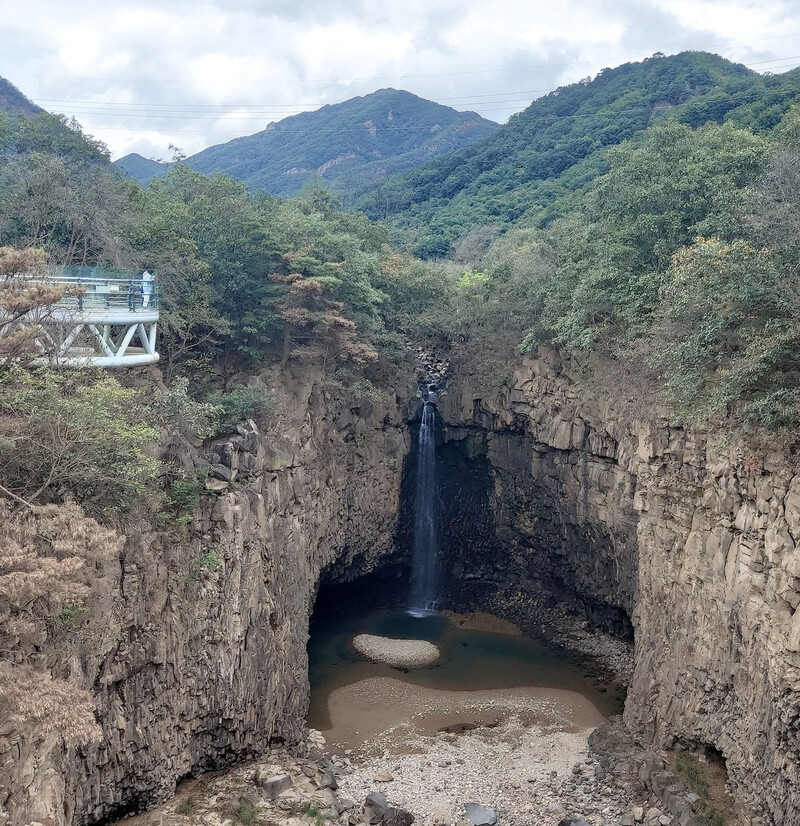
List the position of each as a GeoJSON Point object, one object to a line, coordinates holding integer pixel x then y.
{"type": "Point", "coordinates": [562, 562]}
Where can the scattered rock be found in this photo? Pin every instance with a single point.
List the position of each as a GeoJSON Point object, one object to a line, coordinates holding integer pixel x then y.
{"type": "Point", "coordinates": [273, 786]}
{"type": "Point", "coordinates": [307, 786]}
{"type": "Point", "coordinates": [327, 780]}
{"type": "Point", "coordinates": [480, 815]}
{"type": "Point", "coordinates": [315, 739]}
{"type": "Point", "coordinates": [383, 777]}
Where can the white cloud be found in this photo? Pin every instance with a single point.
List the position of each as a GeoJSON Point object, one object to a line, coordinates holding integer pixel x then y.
{"type": "Point", "coordinates": [141, 74]}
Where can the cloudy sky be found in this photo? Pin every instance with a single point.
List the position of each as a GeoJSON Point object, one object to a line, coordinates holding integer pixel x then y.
{"type": "Point", "coordinates": [144, 74]}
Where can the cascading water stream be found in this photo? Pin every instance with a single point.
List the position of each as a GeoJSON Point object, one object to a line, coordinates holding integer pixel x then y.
{"type": "Point", "coordinates": [425, 547]}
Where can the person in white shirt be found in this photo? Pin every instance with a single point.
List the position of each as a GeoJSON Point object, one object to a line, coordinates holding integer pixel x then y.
{"type": "Point", "coordinates": [147, 285]}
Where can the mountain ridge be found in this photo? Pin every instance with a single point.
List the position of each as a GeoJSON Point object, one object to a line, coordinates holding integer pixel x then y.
{"type": "Point", "coordinates": [141, 169]}
{"type": "Point", "coordinates": [353, 145]}
{"type": "Point", "coordinates": [14, 102]}
{"type": "Point", "coordinates": [558, 143]}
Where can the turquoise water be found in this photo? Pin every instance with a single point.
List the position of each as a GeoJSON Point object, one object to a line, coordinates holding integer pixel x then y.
{"type": "Point", "coordinates": [470, 660]}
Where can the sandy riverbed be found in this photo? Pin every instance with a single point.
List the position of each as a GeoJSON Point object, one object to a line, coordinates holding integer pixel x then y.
{"type": "Point", "coordinates": [508, 749]}
{"type": "Point", "coordinates": [380, 705]}
{"type": "Point", "coordinates": [396, 652]}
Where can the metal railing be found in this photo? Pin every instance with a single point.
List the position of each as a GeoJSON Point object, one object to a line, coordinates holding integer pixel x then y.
{"type": "Point", "coordinates": [105, 288]}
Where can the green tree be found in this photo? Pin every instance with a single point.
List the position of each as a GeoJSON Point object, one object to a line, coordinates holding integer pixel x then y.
{"type": "Point", "coordinates": [77, 435]}
{"type": "Point", "coordinates": [728, 335]}
{"type": "Point", "coordinates": [161, 236]}
{"type": "Point", "coordinates": [610, 256]}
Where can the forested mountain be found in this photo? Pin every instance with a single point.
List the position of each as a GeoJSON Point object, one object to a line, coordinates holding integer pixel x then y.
{"type": "Point", "coordinates": [14, 102]}
{"type": "Point", "coordinates": [559, 142]}
{"type": "Point", "coordinates": [353, 145]}
{"type": "Point", "coordinates": [142, 170]}
{"type": "Point", "coordinates": [27, 128]}
{"type": "Point", "coordinates": [672, 253]}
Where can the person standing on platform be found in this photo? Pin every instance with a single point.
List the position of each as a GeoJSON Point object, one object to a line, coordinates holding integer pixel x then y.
{"type": "Point", "coordinates": [148, 276]}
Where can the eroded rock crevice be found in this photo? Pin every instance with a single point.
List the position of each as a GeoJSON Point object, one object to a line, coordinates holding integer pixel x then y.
{"type": "Point", "coordinates": [522, 517]}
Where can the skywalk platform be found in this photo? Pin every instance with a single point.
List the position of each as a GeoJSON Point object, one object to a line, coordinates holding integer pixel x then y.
{"type": "Point", "coordinates": [104, 318]}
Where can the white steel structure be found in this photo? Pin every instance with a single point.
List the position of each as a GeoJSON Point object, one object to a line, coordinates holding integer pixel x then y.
{"type": "Point", "coordinates": [105, 318]}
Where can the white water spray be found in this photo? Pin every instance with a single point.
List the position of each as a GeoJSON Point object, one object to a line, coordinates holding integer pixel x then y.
{"type": "Point", "coordinates": [425, 549]}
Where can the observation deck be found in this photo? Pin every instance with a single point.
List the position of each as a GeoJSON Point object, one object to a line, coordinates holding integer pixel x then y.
{"type": "Point", "coordinates": [104, 318]}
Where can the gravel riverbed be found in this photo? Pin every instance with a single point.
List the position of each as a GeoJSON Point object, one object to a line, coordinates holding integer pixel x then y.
{"type": "Point", "coordinates": [527, 756]}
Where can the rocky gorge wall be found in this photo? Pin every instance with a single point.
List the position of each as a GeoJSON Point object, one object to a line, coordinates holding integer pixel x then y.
{"type": "Point", "coordinates": [573, 502]}
{"type": "Point", "coordinates": [695, 541]}
{"type": "Point", "coordinates": [203, 660]}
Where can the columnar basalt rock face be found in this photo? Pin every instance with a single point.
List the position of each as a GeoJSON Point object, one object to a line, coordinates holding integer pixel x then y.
{"type": "Point", "coordinates": [204, 660]}
{"type": "Point", "coordinates": [697, 540]}
{"type": "Point", "coordinates": [208, 663]}
{"type": "Point", "coordinates": [563, 523]}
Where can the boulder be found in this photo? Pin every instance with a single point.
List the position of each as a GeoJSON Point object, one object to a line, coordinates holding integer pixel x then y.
{"type": "Point", "coordinates": [480, 815]}
{"type": "Point", "coordinates": [375, 807]}
{"type": "Point", "coordinates": [650, 765]}
{"type": "Point", "coordinates": [222, 472]}
{"type": "Point", "coordinates": [329, 800]}
{"type": "Point", "coordinates": [397, 817]}
{"type": "Point", "coordinates": [652, 816]}
{"type": "Point", "coordinates": [215, 485]}
{"type": "Point", "coordinates": [273, 786]}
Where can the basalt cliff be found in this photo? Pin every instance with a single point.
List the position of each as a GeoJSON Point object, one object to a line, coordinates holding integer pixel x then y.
{"type": "Point", "coordinates": [553, 497]}
{"type": "Point", "coordinates": [691, 539]}
{"type": "Point", "coordinates": [204, 661]}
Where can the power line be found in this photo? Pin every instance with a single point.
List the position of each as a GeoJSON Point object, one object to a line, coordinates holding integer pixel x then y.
{"type": "Point", "coordinates": [267, 116]}
{"type": "Point", "coordinates": [268, 111]}
{"type": "Point", "coordinates": [485, 103]}
{"type": "Point", "coordinates": [255, 115]}
{"type": "Point", "coordinates": [271, 106]}
{"type": "Point", "coordinates": [399, 75]}
{"type": "Point", "coordinates": [612, 114]}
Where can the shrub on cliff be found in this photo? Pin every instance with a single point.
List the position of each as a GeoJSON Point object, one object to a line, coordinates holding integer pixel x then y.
{"type": "Point", "coordinates": [23, 299]}
{"type": "Point", "coordinates": [74, 434]}
{"type": "Point", "coordinates": [54, 561]}
{"type": "Point", "coordinates": [241, 403]}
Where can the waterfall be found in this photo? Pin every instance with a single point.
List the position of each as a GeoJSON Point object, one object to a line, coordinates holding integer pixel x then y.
{"type": "Point", "coordinates": [425, 548]}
